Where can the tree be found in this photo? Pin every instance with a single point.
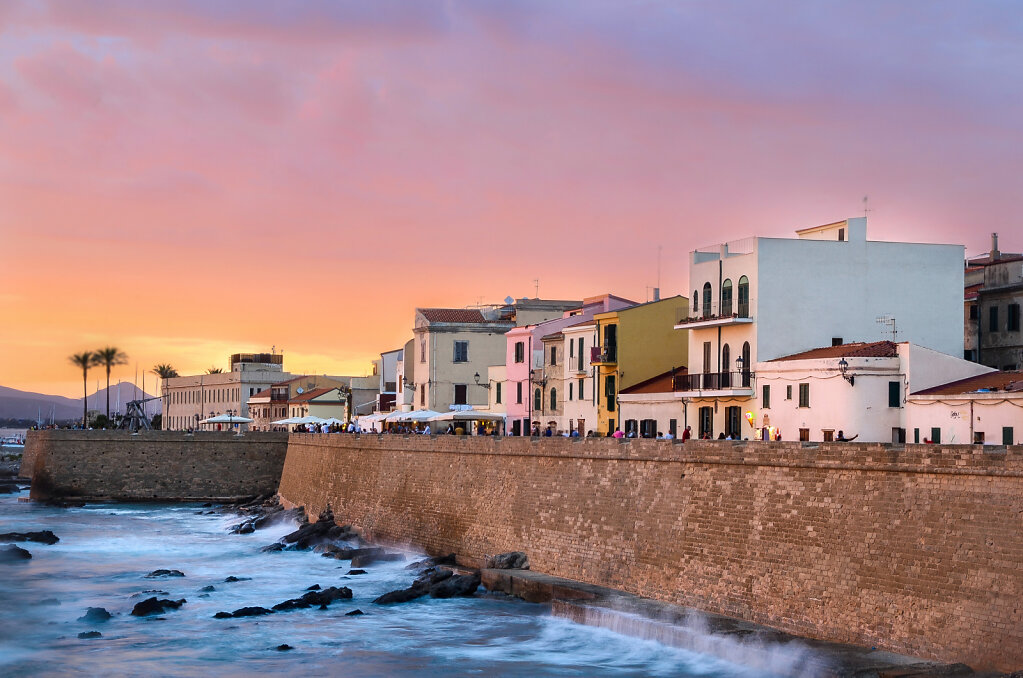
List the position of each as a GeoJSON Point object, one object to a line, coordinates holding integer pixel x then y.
{"type": "Point", "coordinates": [108, 357]}
{"type": "Point", "coordinates": [214, 370]}
{"type": "Point", "coordinates": [165, 372]}
{"type": "Point", "coordinates": [84, 360]}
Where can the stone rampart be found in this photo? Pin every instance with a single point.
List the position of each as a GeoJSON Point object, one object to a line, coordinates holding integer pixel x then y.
{"type": "Point", "coordinates": [917, 549]}
{"type": "Point", "coordinates": [153, 465]}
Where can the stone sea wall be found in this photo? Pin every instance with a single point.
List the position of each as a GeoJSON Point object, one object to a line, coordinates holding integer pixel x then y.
{"type": "Point", "coordinates": [917, 549]}
{"type": "Point", "coordinates": [153, 465]}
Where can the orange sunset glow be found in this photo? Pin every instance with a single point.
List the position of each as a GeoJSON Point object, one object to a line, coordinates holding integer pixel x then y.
{"type": "Point", "coordinates": [186, 180]}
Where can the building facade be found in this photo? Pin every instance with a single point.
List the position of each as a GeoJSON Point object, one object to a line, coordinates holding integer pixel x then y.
{"type": "Point", "coordinates": [189, 400]}
{"type": "Point", "coordinates": [763, 298]}
{"type": "Point", "coordinates": [986, 409]}
{"type": "Point", "coordinates": [579, 409]}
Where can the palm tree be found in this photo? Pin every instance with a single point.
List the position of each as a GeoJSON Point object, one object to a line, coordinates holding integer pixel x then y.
{"type": "Point", "coordinates": [214, 370]}
{"type": "Point", "coordinates": [165, 372]}
{"type": "Point", "coordinates": [108, 357]}
{"type": "Point", "coordinates": [84, 360]}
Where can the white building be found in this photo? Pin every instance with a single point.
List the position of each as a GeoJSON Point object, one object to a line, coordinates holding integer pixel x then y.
{"type": "Point", "coordinates": [986, 409]}
{"type": "Point", "coordinates": [650, 407]}
{"type": "Point", "coordinates": [859, 390]}
{"type": "Point", "coordinates": [579, 407]}
{"type": "Point", "coordinates": [763, 298]}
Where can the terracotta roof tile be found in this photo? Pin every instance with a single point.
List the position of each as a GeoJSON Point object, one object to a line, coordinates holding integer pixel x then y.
{"type": "Point", "coordinates": [265, 393]}
{"type": "Point", "coordinates": [859, 349]}
{"type": "Point", "coordinates": [662, 383]}
{"type": "Point", "coordinates": [453, 315]}
{"type": "Point", "coordinates": [1011, 382]}
{"type": "Point", "coordinates": [309, 395]}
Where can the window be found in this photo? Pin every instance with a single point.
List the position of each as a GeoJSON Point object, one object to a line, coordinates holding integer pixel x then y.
{"type": "Point", "coordinates": [672, 427]}
{"type": "Point", "coordinates": [579, 354]}
{"type": "Point", "coordinates": [571, 348]}
{"type": "Point", "coordinates": [916, 436]}
{"type": "Point", "coordinates": [898, 435]}
{"type": "Point", "coordinates": [570, 384]}
{"type": "Point", "coordinates": [537, 400]}
{"type": "Point", "coordinates": [973, 312]}
{"type": "Point", "coordinates": [726, 297]}
{"type": "Point", "coordinates": [732, 417]}
{"type": "Point", "coordinates": [726, 361]}
{"type": "Point", "coordinates": [422, 350]}
{"type": "Point", "coordinates": [743, 297]}
{"type": "Point", "coordinates": [554, 399]}
{"type": "Point", "coordinates": [804, 395]}
{"type": "Point", "coordinates": [836, 341]}
{"type": "Point", "coordinates": [520, 352]}
{"type": "Point", "coordinates": [894, 394]}
{"type": "Point", "coordinates": [461, 395]}
{"type": "Point", "coordinates": [581, 382]}
{"type": "Point", "coordinates": [992, 319]}
{"type": "Point", "coordinates": [648, 428]}
{"type": "Point", "coordinates": [497, 393]}
{"type": "Point", "coordinates": [461, 352]}
{"type": "Point", "coordinates": [788, 392]}
{"type": "Point", "coordinates": [609, 391]}
{"type": "Point", "coordinates": [422, 395]}
{"type": "Point", "coordinates": [706, 300]}
{"type": "Point", "coordinates": [829, 435]}
{"type": "Point", "coordinates": [804, 435]}
{"type": "Point", "coordinates": [1007, 435]}
{"type": "Point", "coordinates": [746, 366]}
{"type": "Point", "coordinates": [766, 399]}
{"type": "Point", "coordinates": [1013, 318]}
{"type": "Point", "coordinates": [554, 355]}
{"type": "Point", "coordinates": [935, 435]}
{"type": "Point", "coordinates": [706, 422]}
{"type": "Point", "coordinates": [841, 234]}
{"type": "Point", "coordinates": [696, 301]}
{"type": "Point", "coordinates": [611, 342]}
{"type": "Point", "coordinates": [706, 357]}
{"type": "Point", "coordinates": [978, 438]}
{"type": "Point", "coordinates": [518, 392]}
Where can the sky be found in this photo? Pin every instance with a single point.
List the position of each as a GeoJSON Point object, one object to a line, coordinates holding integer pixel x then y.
{"type": "Point", "coordinates": [186, 179]}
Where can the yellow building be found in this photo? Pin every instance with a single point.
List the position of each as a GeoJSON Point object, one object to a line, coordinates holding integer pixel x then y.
{"type": "Point", "coordinates": [636, 344]}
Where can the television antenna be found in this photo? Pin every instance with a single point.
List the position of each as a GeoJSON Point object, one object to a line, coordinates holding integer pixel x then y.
{"type": "Point", "coordinates": [889, 322]}
{"type": "Point", "coordinates": [866, 206]}
{"type": "Point", "coordinates": [536, 288]}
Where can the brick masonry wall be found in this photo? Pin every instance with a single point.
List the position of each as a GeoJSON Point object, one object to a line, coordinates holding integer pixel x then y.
{"type": "Point", "coordinates": [152, 466]}
{"type": "Point", "coordinates": [916, 549]}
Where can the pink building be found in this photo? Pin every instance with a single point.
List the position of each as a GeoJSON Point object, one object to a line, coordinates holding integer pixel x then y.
{"type": "Point", "coordinates": [524, 358]}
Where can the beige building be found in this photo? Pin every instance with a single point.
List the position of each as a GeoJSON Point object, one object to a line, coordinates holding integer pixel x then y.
{"type": "Point", "coordinates": [579, 407]}
{"type": "Point", "coordinates": [188, 400]}
{"type": "Point", "coordinates": [274, 403]}
{"type": "Point", "coordinates": [453, 345]}
{"type": "Point", "coordinates": [551, 411]}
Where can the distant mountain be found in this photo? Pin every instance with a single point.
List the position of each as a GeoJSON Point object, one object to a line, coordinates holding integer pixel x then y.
{"type": "Point", "coordinates": [15, 404]}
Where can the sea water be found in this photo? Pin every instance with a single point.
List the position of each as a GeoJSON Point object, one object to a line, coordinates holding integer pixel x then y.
{"type": "Point", "coordinates": [105, 551]}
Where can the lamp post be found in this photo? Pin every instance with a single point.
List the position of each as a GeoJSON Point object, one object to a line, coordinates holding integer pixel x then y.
{"type": "Point", "coordinates": [843, 367]}
{"type": "Point", "coordinates": [477, 378]}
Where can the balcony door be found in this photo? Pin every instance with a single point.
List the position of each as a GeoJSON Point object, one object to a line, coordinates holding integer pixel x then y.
{"type": "Point", "coordinates": [706, 422]}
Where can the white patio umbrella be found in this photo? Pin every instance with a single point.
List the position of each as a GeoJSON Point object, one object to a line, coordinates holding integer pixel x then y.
{"type": "Point", "coordinates": [289, 420]}
{"type": "Point", "coordinates": [332, 420]}
{"type": "Point", "coordinates": [227, 419]}
{"type": "Point", "coordinates": [469, 415]}
{"type": "Point", "coordinates": [309, 419]}
{"type": "Point", "coordinates": [417, 415]}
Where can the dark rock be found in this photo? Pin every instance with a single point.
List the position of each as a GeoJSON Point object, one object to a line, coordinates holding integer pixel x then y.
{"type": "Point", "coordinates": [207, 589]}
{"type": "Point", "coordinates": [273, 548]}
{"type": "Point", "coordinates": [49, 601]}
{"type": "Point", "coordinates": [12, 553]}
{"type": "Point", "coordinates": [314, 587]}
{"type": "Point", "coordinates": [203, 595]}
{"type": "Point", "coordinates": [246, 528]}
{"type": "Point", "coordinates": [354, 613]}
{"type": "Point", "coordinates": [284, 648]}
{"type": "Point", "coordinates": [514, 560]}
{"type": "Point", "coordinates": [222, 615]}
{"type": "Point", "coordinates": [323, 606]}
{"type": "Point", "coordinates": [233, 578]}
{"type": "Point", "coordinates": [449, 559]}
{"type": "Point", "coordinates": [432, 576]}
{"type": "Point", "coordinates": [356, 572]}
{"type": "Point", "coordinates": [310, 535]}
{"type": "Point", "coordinates": [402, 595]}
{"type": "Point", "coordinates": [42, 537]}
{"type": "Point", "coordinates": [457, 585]}
{"type": "Point", "coordinates": [343, 553]}
{"type": "Point", "coordinates": [90, 634]}
{"type": "Point", "coordinates": [315, 598]}
{"type": "Point", "coordinates": [207, 505]}
{"type": "Point", "coordinates": [251, 612]}
{"type": "Point", "coordinates": [370, 558]}
{"type": "Point", "coordinates": [149, 591]}
{"type": "Point", "coordinates": [95, 615]}
{"type": "Point", "coordinates": [279, 516]}
{"type": "Point", "coordinates": [151, 606]}
{"type": "Point", "coordinates": [165, 573]}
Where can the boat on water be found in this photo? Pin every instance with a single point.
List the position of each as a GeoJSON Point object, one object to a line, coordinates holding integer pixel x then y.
{"type": "Point", "coordinates": [14, 442]}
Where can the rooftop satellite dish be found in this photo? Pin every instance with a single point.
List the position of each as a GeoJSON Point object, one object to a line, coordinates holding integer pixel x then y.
{"type": "Point", "coordinates": [509, 300]}
{"type": "Point", "coordinates": [300, 390]}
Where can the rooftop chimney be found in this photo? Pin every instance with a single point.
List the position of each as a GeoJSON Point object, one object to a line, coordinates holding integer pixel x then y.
{"type": "Point", "coordinates": [995, 254]}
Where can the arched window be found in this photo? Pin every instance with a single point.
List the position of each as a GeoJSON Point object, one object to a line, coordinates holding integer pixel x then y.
{"type": "Point", "coordinates": [554, 398]}
{"type": "Point", "coordinates": [537, 400]}
{"type": "Point", "coordinates": [706, 300]}
{"type": "Point", "coordinates": [743, 297]}
{"type": "Point", "coordinates": [746, 367]}
{"type": "Point", "coordinates": [696, 302]}
{"type": "Point", "coordinates": [726, 366]}
{"type": "Point", "coordinates": [726, 298]}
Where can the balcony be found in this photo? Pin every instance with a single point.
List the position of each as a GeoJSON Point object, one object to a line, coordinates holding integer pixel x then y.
{"type": "Point", "coordinates": [715, 383]}
{"type": "Point", "coordinates": [717, 315]}
{"type": "Point", "coordinates": [604, 355]}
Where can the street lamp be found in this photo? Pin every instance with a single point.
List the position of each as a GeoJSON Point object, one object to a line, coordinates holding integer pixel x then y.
{"type": "Point", "coordinates": [477, 378]}
{"type": "Point", "coordinates": [843, 367]}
